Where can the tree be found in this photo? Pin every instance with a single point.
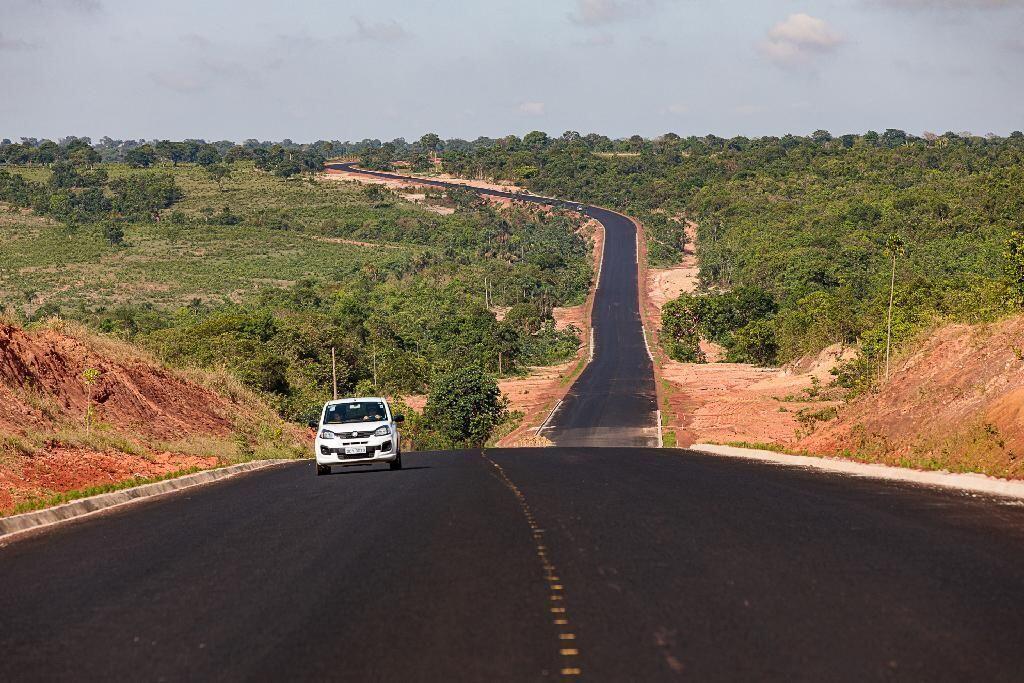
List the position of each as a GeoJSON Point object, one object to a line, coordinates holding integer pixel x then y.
{"type": "Point", "coordinates": [1014, 256]}
{"type": "Point", "coordinates": [681, 329]}
{"type": "Point", "coordinates": [84, 156]}
{"type": "Point", "coordinates": [535, 139]}
{"type": "Point", "coordinates": [172, 151]}
{"type": "Point", "coordinates": [113, 233]}
{"type": "Point", "coordinates": [287, 168]}
{"type": "Point", "coordinates": [141, 157]}
{"type": "Point", "coordinates": [64, 175]}
{"type": "Point", "coordinates": [465, 406]}
{"type": "Point", "coordinates": [431, 142]}
{"type": "Point", "coordinates": [208, 156]}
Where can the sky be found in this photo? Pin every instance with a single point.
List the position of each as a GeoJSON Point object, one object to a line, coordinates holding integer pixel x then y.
{"type": "Point", "coordinates": [346, 70]}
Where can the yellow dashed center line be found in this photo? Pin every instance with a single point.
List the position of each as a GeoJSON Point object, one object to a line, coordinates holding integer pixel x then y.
{"type": "Point", "coordinates": [559, 616]}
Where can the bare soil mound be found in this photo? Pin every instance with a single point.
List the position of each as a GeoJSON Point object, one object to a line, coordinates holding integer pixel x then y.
{"type": "Point", "coordinates": [956, 403]}
{"type": "Point", "coordinates": [41, 383]}
{"type": "Point", "coordinates": [144, 420]}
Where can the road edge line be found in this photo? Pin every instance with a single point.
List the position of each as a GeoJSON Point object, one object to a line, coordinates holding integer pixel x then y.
{"type": "Point", "coordinates": [960, 481]}
{"type": "Point", "coordinates": [82, 507]}
{"type": "Point", "coordinates": [554, 410]}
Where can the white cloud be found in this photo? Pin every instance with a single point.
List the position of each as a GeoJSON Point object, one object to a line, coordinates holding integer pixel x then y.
{"type": "Point", "coordinates": [532, 108]}
{"type": "Point", "coordinates": [380, 32]}
{"type": "Point", "coordinates": [597, 12]}
{"type": "Point", "coordinates": [798, 38]}
{"type": "Point", "coordinates": [678, 108]}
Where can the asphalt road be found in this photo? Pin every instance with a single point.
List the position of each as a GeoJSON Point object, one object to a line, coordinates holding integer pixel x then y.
{"type": "Point", "coordinates": [613, 402]}
{"type": "Point", "coordinates": [668, 566]}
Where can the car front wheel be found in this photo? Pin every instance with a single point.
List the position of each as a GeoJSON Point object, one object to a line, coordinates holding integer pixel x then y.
{"type": "Point", "coordinates": [396, 464]}
{"type": "Point", "coordinates": [322, 469]}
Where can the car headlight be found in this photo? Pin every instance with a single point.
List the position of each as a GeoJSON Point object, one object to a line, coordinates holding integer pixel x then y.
{"type": "Point", "coordinates": [382, 431]}
{"type": "Point", "coordinates": [324, 434]}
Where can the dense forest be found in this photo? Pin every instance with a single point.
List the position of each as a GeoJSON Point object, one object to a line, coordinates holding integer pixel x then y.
{"type": "Point", "coordinates": [114, 244]}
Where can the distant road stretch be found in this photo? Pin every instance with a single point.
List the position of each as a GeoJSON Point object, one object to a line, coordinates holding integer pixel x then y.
{"type": "Point", "coordinates": [613, 402]}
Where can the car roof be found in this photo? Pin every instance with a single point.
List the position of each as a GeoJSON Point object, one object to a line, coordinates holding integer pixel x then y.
{"type": "Point", "coordinates": [361, 399]}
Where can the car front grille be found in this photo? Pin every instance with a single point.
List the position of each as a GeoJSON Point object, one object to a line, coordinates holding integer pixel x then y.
{"type": "Point", "coordinates": [347, 433]}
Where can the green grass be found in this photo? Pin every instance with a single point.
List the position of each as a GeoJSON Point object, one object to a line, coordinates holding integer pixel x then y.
{"type": "Point", "coordinates": [168, 265]}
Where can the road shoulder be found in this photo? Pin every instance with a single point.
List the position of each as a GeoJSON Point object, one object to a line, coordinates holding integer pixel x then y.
{"type": "Point", "coordinates": [962, 481]}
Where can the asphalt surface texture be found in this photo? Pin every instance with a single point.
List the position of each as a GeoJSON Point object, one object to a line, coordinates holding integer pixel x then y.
{"type": "Point", "coordinates": [525, 565]}
{"type": "Point", "coordinates": [613, 402]}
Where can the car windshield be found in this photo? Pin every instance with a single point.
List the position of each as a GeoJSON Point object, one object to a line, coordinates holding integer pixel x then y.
{"type": "Point", "coordinates": [361, 411]}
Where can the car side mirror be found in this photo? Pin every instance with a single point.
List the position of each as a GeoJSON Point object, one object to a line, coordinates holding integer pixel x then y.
{"type": "Point", "coordinates": [313, 424]}
{"type": "Point", "coordinates": [399, 418]}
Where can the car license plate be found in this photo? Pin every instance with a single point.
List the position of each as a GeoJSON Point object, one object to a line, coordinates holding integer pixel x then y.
{"type": "Point", "coordinates": [355, 450]}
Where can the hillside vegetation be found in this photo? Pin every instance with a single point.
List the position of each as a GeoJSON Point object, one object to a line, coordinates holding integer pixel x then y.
{"type": "Point", "coordinates": [243, 260]}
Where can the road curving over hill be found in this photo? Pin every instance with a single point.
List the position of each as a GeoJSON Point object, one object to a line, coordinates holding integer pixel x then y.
{"type": "Point", "coordinates": [614, 401]}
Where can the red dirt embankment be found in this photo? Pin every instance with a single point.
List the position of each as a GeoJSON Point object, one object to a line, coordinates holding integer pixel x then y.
{"type": "Point", "coordinates": [146, 420]}
{"type": "Point", "coordinates": [47, 366]}
{"type": "Point", "coordinates": [956, 403]}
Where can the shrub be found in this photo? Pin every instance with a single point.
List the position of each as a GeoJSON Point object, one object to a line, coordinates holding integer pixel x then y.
{"type": "Point", "coordinates": [464, 406]}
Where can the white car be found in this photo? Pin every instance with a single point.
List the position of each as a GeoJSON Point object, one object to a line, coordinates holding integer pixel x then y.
{"type": "Point", "coordinates": [357, 431]}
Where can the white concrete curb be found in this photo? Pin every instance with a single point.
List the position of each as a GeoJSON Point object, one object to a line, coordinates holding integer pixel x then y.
{"type": "Point", "coordinates": [977, 483]}
{"type": "Point", "coordinates": [37, 519]}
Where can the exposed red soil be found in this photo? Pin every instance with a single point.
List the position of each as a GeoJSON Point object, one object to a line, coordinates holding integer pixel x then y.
{"type": "Point", "coordinates": [737, 402]}
{"type": "Point", "coordinates": [956, 402]}
{"type": "Point", "coordinates": [44, 446]}
{"type": "Point", "coordinates": [59, 468]}
{"type": "Point", "coordinates": [129, 391]}
{"type": "Point", "coordinates": [336, 174]}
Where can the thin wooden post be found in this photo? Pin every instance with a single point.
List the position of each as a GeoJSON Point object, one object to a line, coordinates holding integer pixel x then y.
{"type": "Point", "coordinates": [888, 324]}
{"type": "Point", "coordinates": [334, 373]}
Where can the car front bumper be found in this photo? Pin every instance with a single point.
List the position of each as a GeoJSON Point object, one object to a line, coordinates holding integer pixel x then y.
{"type": "Point", "coordinates": [379, 449]}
